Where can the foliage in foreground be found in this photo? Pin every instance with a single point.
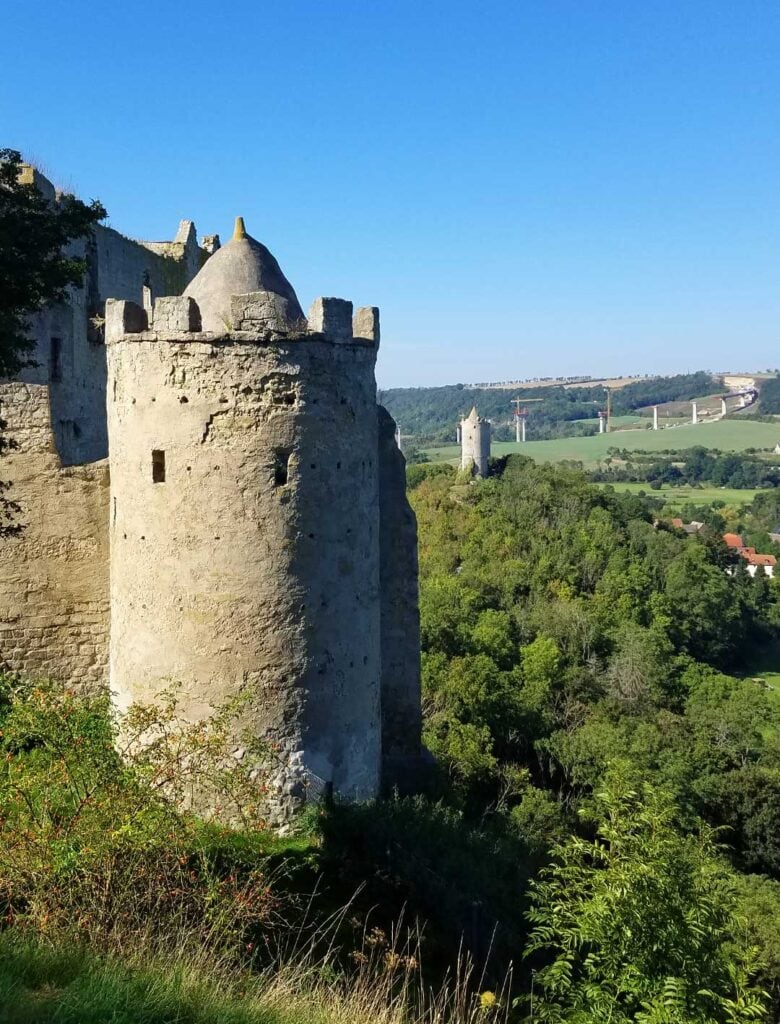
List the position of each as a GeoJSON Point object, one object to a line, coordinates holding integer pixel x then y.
{"type": "Point", "coordinates": [72, 984]}
{"type": "Point", "coordinates": [116, 904]}
{"type": "Point", "coordinates": [91, 834]}
{"type": "Point", "coordinates": [638, 924]}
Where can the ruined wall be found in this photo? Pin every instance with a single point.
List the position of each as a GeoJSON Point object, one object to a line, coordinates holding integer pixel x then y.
{"type": "Point", "coordinates": [254, 564]}
{"type": "Point", "coordinates": [69, 348]}
{"type": "Point", "coordinates": [124, 265]}
{"type": "Point", "coordinates": [401, 711]}
{"type": "Point", "coordinates": [54, 575]}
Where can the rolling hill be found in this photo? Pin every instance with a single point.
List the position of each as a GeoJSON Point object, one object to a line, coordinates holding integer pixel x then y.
{"type": "Point", "coordinates": [724, 435]}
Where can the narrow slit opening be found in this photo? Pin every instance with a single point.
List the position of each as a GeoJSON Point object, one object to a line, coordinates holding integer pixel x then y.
{"type": "Point", "coordinates": [158, 466]}
{"type": "Point", "coordinates": [55, 360]}
{"type": "Point", "coordinates": [282, 468]}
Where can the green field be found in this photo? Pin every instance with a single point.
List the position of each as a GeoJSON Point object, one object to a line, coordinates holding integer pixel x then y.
{"type": "Point", "coordinates": [621, 421]}
{"type": "Point", "coordinates": [726, 435]}
{"type": "Point", "coordinates": [677, 496]}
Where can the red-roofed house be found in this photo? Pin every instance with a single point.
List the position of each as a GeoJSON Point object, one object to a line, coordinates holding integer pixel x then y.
{"type": "Point", "coordinates": [733, 540]}
{"type": "Point", "coordinates": [755, 561]}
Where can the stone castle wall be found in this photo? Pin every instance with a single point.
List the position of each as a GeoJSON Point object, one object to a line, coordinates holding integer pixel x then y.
{"type": "Point", "coordinates": [54, 596]}
{"type": "Point", "coordinates": [54, 591]}
{"type": "Point", "coordinates": [69, 346]}
{"type": "Point", "coordinates": [254, 565]}
{"type": "Point", "coordinates": [400, 632]}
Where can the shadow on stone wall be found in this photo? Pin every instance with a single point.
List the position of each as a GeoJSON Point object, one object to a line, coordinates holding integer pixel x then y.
{"type": "Point", "coordinates": [10, 510]}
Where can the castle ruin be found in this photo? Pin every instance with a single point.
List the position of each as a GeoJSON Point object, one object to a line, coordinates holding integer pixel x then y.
{"type": "Point", "coordinates": [212, 499]}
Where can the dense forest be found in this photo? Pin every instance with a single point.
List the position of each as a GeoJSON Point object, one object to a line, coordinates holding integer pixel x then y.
{"type": "Point", "coordinates": [570, 639]}
{"type": "Point", "coordinates": [658, 390]}
{"type": "Point", "coordinates": [430, 414]}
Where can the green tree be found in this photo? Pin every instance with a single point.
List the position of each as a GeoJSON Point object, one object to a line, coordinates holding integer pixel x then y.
{"type": "Point", "coordinates": [705, 617]}
{"type": "Point", "coordinates": [541, 662]}
{"type": "Point", "coordinates": [35, 268]}
{"type": "Point", "coordinates": [638, 925]}
{"type": "Point", "coordinates": [639, 668]}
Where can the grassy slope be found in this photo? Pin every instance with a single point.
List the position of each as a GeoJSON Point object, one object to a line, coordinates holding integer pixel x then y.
{"type": "Point", "coordinates": [40, 984]}
{"type": "Point", "coordinates": [726, 435]}
{"type": "Point", "coordinates": [619, 421]}
{"type": "Point", "coordinates": [63, 982]}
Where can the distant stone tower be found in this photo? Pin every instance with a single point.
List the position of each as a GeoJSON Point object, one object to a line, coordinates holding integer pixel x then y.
{"type": "Point", "coordinates": [248, 553]}
{"type": "Point", "coordinates": [475, 443]}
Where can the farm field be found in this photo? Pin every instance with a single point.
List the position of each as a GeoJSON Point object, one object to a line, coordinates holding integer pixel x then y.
{"type": "Point", "coordinates": [675, 497]}
{"type": "Point", "coordinates": [726, 435]}
{"type": "Point", "coordinates": [557, 382]}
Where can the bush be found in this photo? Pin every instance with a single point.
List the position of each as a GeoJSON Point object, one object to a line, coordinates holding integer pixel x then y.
{"type": "Point", "coordinates": [641, 923]}
{"type": "Point", "coordinates": [417, 472]}
{"type": "Point", "coordinates": [93, 839]}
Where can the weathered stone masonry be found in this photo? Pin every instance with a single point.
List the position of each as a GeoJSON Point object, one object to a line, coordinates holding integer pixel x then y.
{"type": "Point", "coordinates": [54, 607]}
{"type": "Point", "coordinates": [475, 443]}
{"type": "Point", "coordinates": [256, 531]}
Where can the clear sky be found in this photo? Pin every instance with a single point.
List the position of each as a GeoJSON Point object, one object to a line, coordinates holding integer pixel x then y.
{"type": "Point", "coordinates": [525, 187]}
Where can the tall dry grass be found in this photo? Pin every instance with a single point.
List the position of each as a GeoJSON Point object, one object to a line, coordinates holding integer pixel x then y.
{"type": "Point", "coordinates": [56, 980]}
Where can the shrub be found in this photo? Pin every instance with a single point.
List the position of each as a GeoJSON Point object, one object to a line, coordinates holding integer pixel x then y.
{"type": "Point", "coordinates": [92, 835]}
{"type": "Point", "coordinates": [640, 924]}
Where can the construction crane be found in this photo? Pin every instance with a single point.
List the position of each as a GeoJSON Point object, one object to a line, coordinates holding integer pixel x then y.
{"type": "Point", "coordinates": [520, 415]}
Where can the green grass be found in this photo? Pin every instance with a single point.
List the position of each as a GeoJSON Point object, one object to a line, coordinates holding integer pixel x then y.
{"type": "Point", "coordinates": [620, 421]}
{"type": "Point", "coordinates": [765, 665]}
{"type": "Point", "coordinates": [677, 496]}
{"type": "Point", "coordinates": [726, 435]}
{"type": "Point", "coordinates": [61, 981]}
{"type": "Point", "coordinates": [40, 984]}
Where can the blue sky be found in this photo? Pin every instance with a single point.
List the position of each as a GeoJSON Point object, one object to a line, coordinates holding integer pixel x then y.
{"type": "Point", "coordinates": [524, 188]}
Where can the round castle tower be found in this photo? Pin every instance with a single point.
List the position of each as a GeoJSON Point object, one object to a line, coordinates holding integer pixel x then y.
{"type": "Point", "coordinates": [245, 549]}
{"type": "Point", "coordinates": [475, 443]}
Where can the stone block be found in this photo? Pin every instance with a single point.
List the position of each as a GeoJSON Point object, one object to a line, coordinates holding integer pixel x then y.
{"type": "Point", "coordinates": [29, 175]}
{"type": "Point", "coordinates": [261, 312]}
{"type": "Point", "coordinates": [365, 323]}
{"type": "Point", "coordinates": [123, 317]}
{"type": "Point", "coordinates": [177, 314]}
{"type": "Point", "coordinates": [332, 317]}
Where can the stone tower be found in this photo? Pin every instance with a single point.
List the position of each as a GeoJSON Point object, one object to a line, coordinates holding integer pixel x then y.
{"type": "Point", "coordinates": [475, 443]}
{"type": "Point", "coordinates": [248, 553]}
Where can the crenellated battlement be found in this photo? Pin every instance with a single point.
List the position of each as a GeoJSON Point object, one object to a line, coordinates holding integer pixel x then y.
{"type": "Point", "coordinates": [259, 316]}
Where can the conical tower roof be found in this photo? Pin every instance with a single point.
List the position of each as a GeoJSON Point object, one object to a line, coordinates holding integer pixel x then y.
{"type": "Point", "coordinates": [243, 265]}
{"type": "Point", "coordinates": [473, 415]}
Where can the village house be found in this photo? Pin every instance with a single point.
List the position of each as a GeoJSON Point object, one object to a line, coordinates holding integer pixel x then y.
{"type": "Point", "coordinates": [754, 559]}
